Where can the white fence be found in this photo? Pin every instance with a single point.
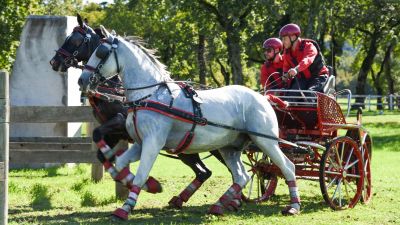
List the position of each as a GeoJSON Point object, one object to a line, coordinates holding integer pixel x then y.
{"type": "Point", "coordinates": [389, 102]}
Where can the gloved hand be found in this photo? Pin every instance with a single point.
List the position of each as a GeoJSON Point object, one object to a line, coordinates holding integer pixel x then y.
{"type": "Point", "coordinates": [292, 72]}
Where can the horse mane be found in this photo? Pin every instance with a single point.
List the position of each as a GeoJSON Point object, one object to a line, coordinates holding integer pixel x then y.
{"type": "Point", "coordinates": [151, 53]}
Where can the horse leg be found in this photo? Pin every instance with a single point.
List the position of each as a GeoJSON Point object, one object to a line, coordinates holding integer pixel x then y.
{"type": "Point", "coordinates": [202, 174]}
{"type": "Point", "coordinates": [149, 150]}
{"type": "Point", "coordinates": [271, 148]}
{"type": "Point", "coordinates": [231, 199]}
{"type": "Point", "coordinates": [109, 138]}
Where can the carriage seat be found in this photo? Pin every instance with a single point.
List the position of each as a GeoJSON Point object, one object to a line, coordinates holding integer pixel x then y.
{"type": "Point", "coordinates": [330, 85]}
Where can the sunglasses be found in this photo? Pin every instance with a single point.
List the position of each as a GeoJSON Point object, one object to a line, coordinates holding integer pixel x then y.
{"type": "Point", "coordinates": [268, 50]}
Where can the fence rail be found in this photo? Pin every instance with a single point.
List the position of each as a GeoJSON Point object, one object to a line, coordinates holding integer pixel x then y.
{"type": "Point", "coordinates": [43, 149]}
{"type": "Point", "coordinates": [390, 102]}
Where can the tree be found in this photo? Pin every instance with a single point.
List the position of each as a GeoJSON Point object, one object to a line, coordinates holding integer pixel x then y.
{"type": "Point", "coordinates": [372, 22]}
{"type": "Point", "coordinates": [12, 19]}
{"type": "Point", "coordinates": [232, 22]}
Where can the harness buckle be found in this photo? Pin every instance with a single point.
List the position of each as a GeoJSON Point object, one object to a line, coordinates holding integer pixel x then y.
{"type": "Point", "coordinates": [200, 120]}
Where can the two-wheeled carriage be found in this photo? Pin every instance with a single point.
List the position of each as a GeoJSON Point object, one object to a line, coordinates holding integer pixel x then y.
{"type": "Point", "coordinates": [330, 150]}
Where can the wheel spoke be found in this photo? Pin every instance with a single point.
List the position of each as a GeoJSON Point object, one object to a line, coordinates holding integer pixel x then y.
{"type": "Point", "coordinates": [247, 164]}
{"type": "Point", "coordinates": [334, 179]}
{"type": "Point", "coordinates": [333, 162]}
{"type": "Point", "coordinates": [336, 189]}
{"type": "Point", "coordinates": [251, 185]}
{"type": "Point", "coordinates": [365, 166]}
{"type": "Point", "coordinates": [353, 175]}
{"type": "Point", "coordinates": [349, 185]}
{"type": "Point", "coordinates": [348, 158]}
{"type": "Point", "coordinates": [342, 153]}
{"type": "Point", "coordinates": [340, 193]}
{"type": "Point", "coordinates": [345, 188]}
{"type": "Point", "coordinates": [332, 172]}
{"type": "Point", "coordinates": [352, 164]}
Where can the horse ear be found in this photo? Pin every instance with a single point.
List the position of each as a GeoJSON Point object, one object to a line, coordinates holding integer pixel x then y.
{"type": "Point", "coordinates": [80, 22]}
{"type": "Point", "coordinates": [86, 21]}
{"type": "Point", "coordinates": [105, 32]}
{"type": "Point", "coordinates": [98, 32]}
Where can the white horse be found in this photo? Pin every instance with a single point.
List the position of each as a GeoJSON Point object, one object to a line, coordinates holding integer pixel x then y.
{"type": "Point", "coordinates": [145, 80]}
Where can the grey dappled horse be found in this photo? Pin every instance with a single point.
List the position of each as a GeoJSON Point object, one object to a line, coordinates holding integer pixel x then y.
{"type": "Point", "coordinates": [146, 80]}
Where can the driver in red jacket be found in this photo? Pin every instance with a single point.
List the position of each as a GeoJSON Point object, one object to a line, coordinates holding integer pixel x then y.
{"type": "Point", "coordinates": [302, 61]}
{"type": "Point", "coordinates": [271, 70]}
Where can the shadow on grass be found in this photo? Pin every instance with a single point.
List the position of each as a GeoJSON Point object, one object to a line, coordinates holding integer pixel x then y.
{"type": "Point", "coordinates": [392, 142]}
{"type": "Point", "coordinates": [188, 215]}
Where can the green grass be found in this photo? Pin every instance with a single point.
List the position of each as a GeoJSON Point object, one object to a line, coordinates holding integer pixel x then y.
{"type": "Point", "coordinates": [67, 196]}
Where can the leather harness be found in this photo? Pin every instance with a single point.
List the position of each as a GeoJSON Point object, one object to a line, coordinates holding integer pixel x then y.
{"type": "Point", "coordinates": [195, 118]}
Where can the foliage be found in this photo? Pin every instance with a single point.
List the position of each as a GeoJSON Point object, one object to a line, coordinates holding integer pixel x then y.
{"type": "Point", "coordinates": [234, 32]}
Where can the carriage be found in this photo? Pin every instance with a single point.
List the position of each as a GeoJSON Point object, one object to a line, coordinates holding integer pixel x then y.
{"type": "Point", "coordinates": [327, 149]}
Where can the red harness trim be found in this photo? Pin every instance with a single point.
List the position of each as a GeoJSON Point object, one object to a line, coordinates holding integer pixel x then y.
{"type": "Point", "coordinates": [165, 113]}
{"type": "Point", "coordinates": [186, 140]}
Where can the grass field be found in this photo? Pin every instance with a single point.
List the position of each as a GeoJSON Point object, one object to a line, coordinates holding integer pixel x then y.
{"type": "Point", "coordinates": [67, 196]}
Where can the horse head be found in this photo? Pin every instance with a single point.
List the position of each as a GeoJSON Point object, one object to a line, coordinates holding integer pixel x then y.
{"type": "Point", "coordinates": [77, 47]}
{"type": "Point", "coordinates": [100, 65]}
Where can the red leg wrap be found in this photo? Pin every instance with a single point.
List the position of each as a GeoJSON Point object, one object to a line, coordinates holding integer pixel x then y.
{"type": "Point", "coordinates": [120, 152]}
{"type": "Point", "coordinates": [216, 210]}
{"type": "Point", "coordinates": [121, 214]}
{"type": "Point", "coordinates": [123, 173]}
{"type": "Point", "coordinates": [176, 202]}
{"type": "Point", "coordinates": [107, 165]}
{"type": "Point", "coordinates": [101, 143]}
{"type": "Point", "coordinates": [190, 190]}
{"type": "Point", "coordinates": [153, 186]}
{"type": "Point", "coordinates": [295, 200]}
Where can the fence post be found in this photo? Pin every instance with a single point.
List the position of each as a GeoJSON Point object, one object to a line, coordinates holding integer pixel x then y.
{"type": "Point", "coordinates": [369, 102]}
{"type": "Point", "coordinates": [391, 106]}
{"type": "Point", "coordinates": [4, 145]}
{"type": "Point", "coordinates": [121, 191]}
{"type": "Point", "coordinates": [97, 168]}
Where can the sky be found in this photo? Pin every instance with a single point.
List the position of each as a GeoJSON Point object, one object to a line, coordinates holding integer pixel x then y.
{"type": "Point", "coordinates": [99, 1]}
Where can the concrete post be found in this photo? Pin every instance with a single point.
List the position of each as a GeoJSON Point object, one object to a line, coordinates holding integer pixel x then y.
{"type": "Point", "coordinates": [4, 145]}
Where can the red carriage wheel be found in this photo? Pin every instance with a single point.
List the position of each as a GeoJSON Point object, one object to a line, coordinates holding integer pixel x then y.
{"type": "Point", "coordinates": [366, 151]}
{"type": "Point", "coordinates": [342, 173]}
{"type": "Point", "coordinates": [262, 185]}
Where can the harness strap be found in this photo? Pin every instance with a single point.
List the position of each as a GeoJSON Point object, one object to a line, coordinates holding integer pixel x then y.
{"type": "Point", "coordinates": [164, 109]}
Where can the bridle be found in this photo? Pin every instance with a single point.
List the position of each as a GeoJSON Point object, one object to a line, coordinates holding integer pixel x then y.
{"type": "Point", "coordinates": [70, 60]}
{"type": "Point", "coordinates": [97, 77]}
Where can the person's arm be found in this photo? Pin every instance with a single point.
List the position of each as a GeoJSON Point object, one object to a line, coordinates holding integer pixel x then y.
{"type": "Point", "coordinates": [309, 54]}
{"type": "Point", "coordinates": [263, 75]}
{"type": "Point", "coordinates": [286, 64]}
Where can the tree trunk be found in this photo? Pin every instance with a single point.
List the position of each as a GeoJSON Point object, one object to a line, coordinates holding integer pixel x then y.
{"type": "Point", "coordinates": [377, 85]}
{"type": "Point", "coordinates": [234, 57]}
{"type": "Point", "coordinates": [333, 51]}
{"type": "Point", "coordinates": [201, 59]}
{"type": "Point", "coordinates": [213, 76]}
{"type": "Point", "coordinates": [388, 69]}
{"type": "Point", "coordinates": [227, 76]}
{"type": "Point", "coordinates": [365, 68]}
{"type": "Point", "coordinates": [312, 16]}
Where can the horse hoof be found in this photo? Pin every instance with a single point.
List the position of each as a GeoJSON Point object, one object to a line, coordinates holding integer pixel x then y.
{"type": "Point", "coordinates": [119, 215]}
{"type": "Point", "coordinates": [175, 202]}
{"type": "Point", "coordinates": [216, 210]}
{"type": "Point", "coordinates": [290, 211]}
{"type": "Point", "coordinates": [234, 205]}
{"type": "Point", "coordinates": [153, 186]}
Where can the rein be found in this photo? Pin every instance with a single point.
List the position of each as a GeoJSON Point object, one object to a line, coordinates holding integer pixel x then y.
{"type": "Point", "coordinates": [192, 118]}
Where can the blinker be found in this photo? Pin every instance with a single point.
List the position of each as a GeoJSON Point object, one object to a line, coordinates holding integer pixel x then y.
{"type": "Point", "coordinates": [102, 51]}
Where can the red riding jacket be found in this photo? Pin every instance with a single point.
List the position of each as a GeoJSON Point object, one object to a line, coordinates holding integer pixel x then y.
{"type": "Point", "coordinates": [267, 69]}
{"type": "Point", "coordinates": [308, 59]}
